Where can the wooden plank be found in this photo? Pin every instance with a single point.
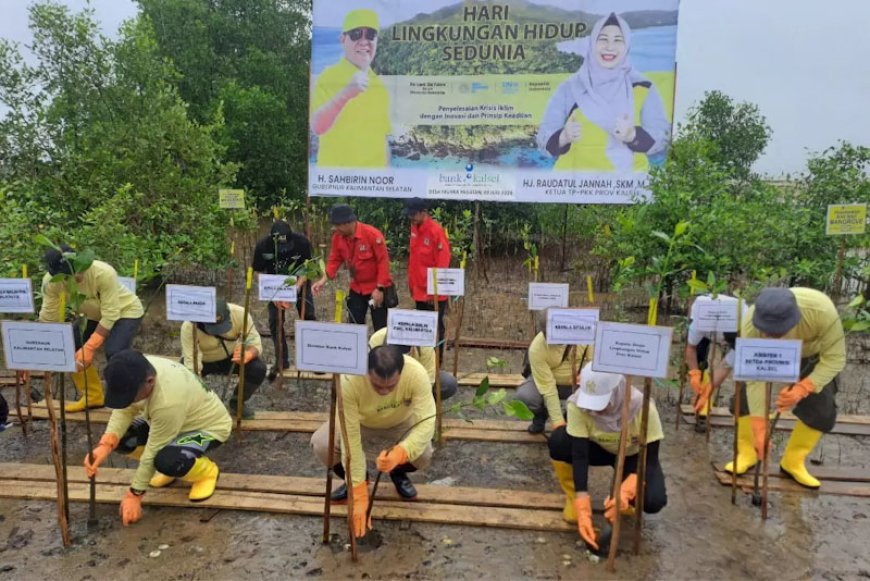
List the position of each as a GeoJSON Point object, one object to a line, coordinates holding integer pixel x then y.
{"type": "Point", "coordinates": [840, 473]}
{"type": "Point", "coordinates": [508, 431]}
{"type": "Point", "coordinates": [784, 485]}
{"type": "Point", "coordinates": [494, 517]}
{"type": "Point", "coordinates": [496, 380]}
{"type": "Point", "coordinates": [725, 413]}
{"type": "Point", "coordinates": [784, 425]}
{"type": "Point", "coordinates": [429, 493]}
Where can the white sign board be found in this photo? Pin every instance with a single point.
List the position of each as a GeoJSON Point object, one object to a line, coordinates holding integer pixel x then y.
{"type": "Point", "coordinates": [713, 315]}
{"type": "Point", "coordinates": [543, 295]}
{"type": "Point", "coordinates": [638, 350]}
{"type": "Point", "coordinates": [414, 328]}
{"type": "Point", "coordinates": [31, 346]}
{"type": "Point", "coordinates": [16, 295]}
{"type": "Point", "coordinates": [332, 347]}
{"type": "Point", "coordinates": [451, 282]}
{"type": "Point", "coordinates": [128, 282]}
{"type": "Point", "coordinates": [272, 288]}
{"type": "Point", "coordinates": [571, 326]}
{"type": "Point", "coordinates": [191, 303]}
{"type": "Point", "coordinates": [767, 360]}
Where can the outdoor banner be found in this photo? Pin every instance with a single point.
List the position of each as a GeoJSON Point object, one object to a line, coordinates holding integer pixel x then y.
{"type": "Point", "coordinates": [566, 101]}
{"type": "Point", "coordinates": [843, 219]}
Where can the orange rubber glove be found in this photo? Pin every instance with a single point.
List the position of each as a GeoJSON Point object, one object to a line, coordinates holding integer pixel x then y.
{"type": "Point", "coordinates": [696, 381]}
{"type": "Point", "coordinates": [703, 397]}
{"type": "Point", "coordinates": [131, 508]}
{"type": "Point", "coordinates": [107, 443]}
{"type": "Point", "coordinates": [360, 508]}
{"type": "Point", "coordinates": [282, 305]}
{"type": "Point", "coordinates": [388, 460]}
{"type": "Point", "coordinates": [250, 354]}
{"type": "Point", "coordinates": [583, 506]}
{"type": "Point", "coordinates": [627, 494]}
{"type": "Point", "coordinates": [759, 433]}
{"type": "Point", "coordinates": [85, 355]}
{"type": "Point", "coordinates": [791, 396]}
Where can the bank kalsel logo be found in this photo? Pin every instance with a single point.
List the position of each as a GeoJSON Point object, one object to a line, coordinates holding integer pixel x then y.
{"type": "Point", "coordinates": [469, 178]}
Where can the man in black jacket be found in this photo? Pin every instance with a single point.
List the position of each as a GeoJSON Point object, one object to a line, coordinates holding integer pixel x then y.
{"type": "Point", "coordinates": [282, 252]}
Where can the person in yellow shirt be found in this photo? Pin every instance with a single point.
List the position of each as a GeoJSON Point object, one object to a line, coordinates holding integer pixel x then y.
{"type": "Point", "coordinates": [220, 349]}
{"type": "Point", "coordinates": [392, 405]}
{"type": "Point", "coordinates": [426, 357]}
{"type": "Point", "coordinates": [549, 376]}
{"type": "Point", "coordinates": [165, 417]}
{"type": "Point", "coordinates": [810, 316]}
{"type": "Point", "coordinates": [114, 315]}
{"type": "Point", "coordinates": [591, 438]}
{"type": "Point", "coordinates": [350, 104]}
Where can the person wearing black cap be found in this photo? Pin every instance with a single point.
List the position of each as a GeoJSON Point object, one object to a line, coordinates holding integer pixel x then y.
{"type": "Point", "coordinates": [113, 314]}
{"type": "Point", "coordinates": [220, 348]}
{"type": "Point", "coordinates": [810, 316]}
{"type": "Point", "coordinates": [167, 419]}
{"type": "Point", "coordinates": [363, 249]}
{"type": "Point", "coordinates": [428, 248]}
{"type": "Point", "coordinates": [283, 252]}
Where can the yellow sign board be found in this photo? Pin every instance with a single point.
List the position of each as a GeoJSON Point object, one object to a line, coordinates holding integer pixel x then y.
{"type": "Point", "coordinates": [846, 219]}
{"type": "Point", "coordinates": [232, 199]}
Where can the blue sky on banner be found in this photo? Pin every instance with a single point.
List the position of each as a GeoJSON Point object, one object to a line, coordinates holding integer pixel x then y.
{"type": "Point", "coordinates": [802, 62]}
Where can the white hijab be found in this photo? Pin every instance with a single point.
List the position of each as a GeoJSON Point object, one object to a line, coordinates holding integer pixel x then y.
{"type": "Point", "coordinates": [610, 418]}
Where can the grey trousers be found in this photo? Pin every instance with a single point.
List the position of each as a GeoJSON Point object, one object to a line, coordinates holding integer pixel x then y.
{"type": "Point", "coordinates": [528, 393]}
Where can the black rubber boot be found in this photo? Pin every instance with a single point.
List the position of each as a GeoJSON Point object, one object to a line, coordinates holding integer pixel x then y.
{"type": "Point", "coordinates": [539, 423]}
{"type": "Point", "coordinates": [403, 484]}
{"type": "Point", "coordinates": [340, 493]}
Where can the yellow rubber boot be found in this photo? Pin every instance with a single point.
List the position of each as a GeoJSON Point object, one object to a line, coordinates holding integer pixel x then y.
{"type": "Point", "coordinates": [136, 453]}
{"type": "Point", "coordinates": [565, 476]}
{"type": "Point", "coordinates": [160, 480]}
{"type": "Point", "coordinates": [802, 441]}
{"type": "Point", "coordinates": [746, 455]}
{"type": "Point", "coordinates": [94, 389]}
{"type": "Point", "coordinates": [204, 476]}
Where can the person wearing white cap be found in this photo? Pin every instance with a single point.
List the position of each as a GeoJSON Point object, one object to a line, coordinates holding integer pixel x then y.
{"type": "Point", "coordinates": [808, 315]}
{"type": "Point", "coordinates": [591, 438]}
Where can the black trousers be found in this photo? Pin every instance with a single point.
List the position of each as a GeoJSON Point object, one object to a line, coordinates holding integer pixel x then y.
{"type": "Point", "coordinates": [310, 315]}
{"type": "Point", "coordinates": [4, 410]}
{"type": "Point", "coordinates": [442, 309]}
{"type": "Point", "coordinates": [120, 336]}
{"type": "Point", "coordinates": [358, 305]}
{"type": "Point", "coordinates": [178, 456]}
{"type": "Point", "coordinates": [255, 373]}
{"type": "Point", "coordinates": [565, 448]}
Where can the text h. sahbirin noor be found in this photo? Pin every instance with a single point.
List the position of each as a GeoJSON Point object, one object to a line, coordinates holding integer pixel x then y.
{"type": "Point", "coordinates": [489, 32]}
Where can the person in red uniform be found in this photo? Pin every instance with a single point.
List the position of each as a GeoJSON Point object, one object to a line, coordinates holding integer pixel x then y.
{"type": "Point", "coordinates": [363, 249]}
{"type": "Point", "coordinates": [429, 248]}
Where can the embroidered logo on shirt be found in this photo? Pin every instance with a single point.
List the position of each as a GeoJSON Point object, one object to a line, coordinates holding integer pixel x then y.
{"type": "Point", "coordinates": [426, 241]}
{"type": "Point", "coordinates": [363, 247]}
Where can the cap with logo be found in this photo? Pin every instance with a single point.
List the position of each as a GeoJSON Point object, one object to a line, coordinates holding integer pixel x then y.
{"type": "Point", "coordinates": [596, 388]}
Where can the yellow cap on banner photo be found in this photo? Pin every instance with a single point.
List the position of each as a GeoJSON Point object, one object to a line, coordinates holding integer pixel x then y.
{"type": "Point", "coordinates": [361, 18]}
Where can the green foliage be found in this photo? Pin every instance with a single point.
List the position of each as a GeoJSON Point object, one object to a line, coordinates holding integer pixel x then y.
{"type": "Point", "coordinates": [738, 131]}
{"type": "Point", "coordinates": [248, 59]}
{"type": "Point", "coordinates": [857, 318]}
{"type": "Point", "coordinates": [96, 149]}
{"type": "Point", "coordinates": [484, 400]}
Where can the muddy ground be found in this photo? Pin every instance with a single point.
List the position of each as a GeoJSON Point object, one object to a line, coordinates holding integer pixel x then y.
{"type": "Point", "coordinates": [698, 535]}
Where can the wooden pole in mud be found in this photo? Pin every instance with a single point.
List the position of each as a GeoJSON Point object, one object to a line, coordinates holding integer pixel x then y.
{"type": "Point", "coordinates": [738, 395]}
{"type": "Point", "coordinates": [348, 474]}
{"type": "Point", "coordinates": [327, 502]}
{"type": "Point", "coordinates": [768, 387]}
{"type": "Point", "coordinates": [59, 468]}
{"type": "Point", "coordinates": [617, 478]}
{"type": "Point", "coordinates": [641, 465]}
{"type": "Point", "coordinates": [438, 414]}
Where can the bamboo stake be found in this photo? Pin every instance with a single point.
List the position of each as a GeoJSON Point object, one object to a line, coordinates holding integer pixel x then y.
{"type": "Point", "coordinates": [18, 385]}
{"type": "Point", "coordinates": [327, 501]}
{"type": "Point", "coordinates": [58, 467]}
{"type": "Point", "coordinates": [438, 413]}
{"type": "Point", "coordinates": [63, 454]}
{"type": "Point", "coordinates": [738, 395]}
{"type": "Point", "coordinates": [347, 471]}
{"type": "Point", "coordinates": [617, 478]}
{"type": "Point", "coordinates": [240, 398]}
{"type": "Point", "coordinates": [456, 335]}
{"type": "Point", "coordinates": [767, 389]}
{"type": "Point", "coordinates": [714, 393]}
{"type": "Point", "coordinates": [641, 465]}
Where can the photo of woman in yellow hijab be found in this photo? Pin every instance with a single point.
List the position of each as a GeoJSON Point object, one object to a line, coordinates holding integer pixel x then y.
{"type": "Point", "coordinates": [607, 116]}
